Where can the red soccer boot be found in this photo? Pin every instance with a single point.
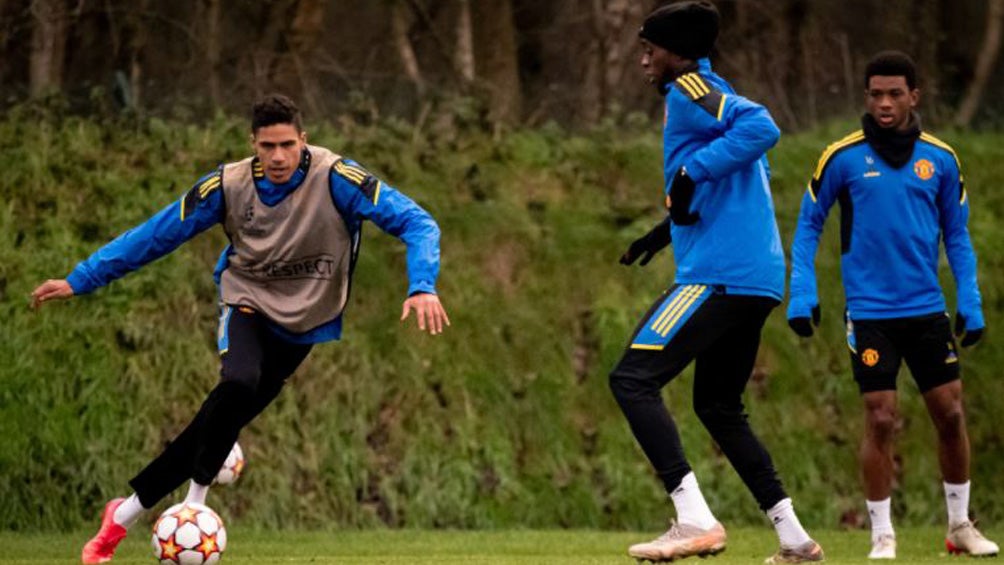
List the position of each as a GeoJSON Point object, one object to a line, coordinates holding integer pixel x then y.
{"type": "Point", "coordinates": [101, 547]}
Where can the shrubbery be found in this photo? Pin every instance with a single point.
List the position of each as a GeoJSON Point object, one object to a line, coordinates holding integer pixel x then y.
{"type": "Point", "coordinates": [506, 419]}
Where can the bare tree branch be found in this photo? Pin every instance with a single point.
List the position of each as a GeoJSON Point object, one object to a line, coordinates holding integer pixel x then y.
{"type": "Point", "coordinates": [984, 64]}
{"type": "Point", "coordinates": [464, 52]}
{"type": "Point", "coordinates": [399, 30]}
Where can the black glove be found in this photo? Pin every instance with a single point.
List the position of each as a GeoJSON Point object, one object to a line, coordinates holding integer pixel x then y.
{"type": "Point", "coordinates": [803, 326]}
{"type": "Point", "coordinates": [681, 194]}
{"type": "Point", "coordinates": [648, 245]}
{"type": "Point", "coordinates": [968, 337]}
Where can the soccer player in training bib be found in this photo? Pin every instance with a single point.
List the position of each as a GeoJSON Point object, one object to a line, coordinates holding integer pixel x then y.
{"type": "Point", "coordinates": [293, 214]}
{"type": "Point", "coordinates": [901, 193]}
{"type": "Point", "coordinates": [729, 277]}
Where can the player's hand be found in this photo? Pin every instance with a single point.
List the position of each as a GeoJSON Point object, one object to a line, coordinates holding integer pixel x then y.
{"type": "Point", "coordinates": [50, 290]}
{"type": "Point", "coordinates": [681, 194]}
{"type": "Point", "coordinates": [968, 337]}
{"type": "Point", "coordinates": [803, 326]}
{"type": "Point", "coordinates": [648, 245]}
{"type": "Point", "coordinates": [428, 310]}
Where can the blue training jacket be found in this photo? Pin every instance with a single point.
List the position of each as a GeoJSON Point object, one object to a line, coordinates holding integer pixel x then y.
{"type": "Point", "coordinates": [892, 223]}
{"type": "Point", "coordinates": [722, 139]}
{"type": "Point", "coordinates": [392, 211]}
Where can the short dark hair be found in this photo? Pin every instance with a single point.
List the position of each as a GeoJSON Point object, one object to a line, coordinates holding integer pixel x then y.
{"type": "Point", "coordinates": [892, 64]}
{"type": "Point", "coordinates": [275, 109]}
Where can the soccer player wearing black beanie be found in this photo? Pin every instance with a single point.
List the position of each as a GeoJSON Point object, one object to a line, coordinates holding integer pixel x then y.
{"type": "Point", "coordinates": [730, 276]}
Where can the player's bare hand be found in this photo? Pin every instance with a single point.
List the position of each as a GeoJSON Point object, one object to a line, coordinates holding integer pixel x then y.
{"type": "Point", "coordinates": [50, 290]}
{"type": "Point", "coordinates": [428, 310]}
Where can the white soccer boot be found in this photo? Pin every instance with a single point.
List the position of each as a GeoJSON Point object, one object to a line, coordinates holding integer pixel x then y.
{"type": "Point", "coordinates": [964, 538]}
{"type": "Point", "coordinates": [883, 547]}
{"type": "Point", "coordinates": [807, 552]}
{"type": "Point", "coordinates": [681, 540]}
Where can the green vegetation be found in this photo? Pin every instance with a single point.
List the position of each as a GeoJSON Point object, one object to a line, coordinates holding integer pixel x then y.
{"type": "Point", "coordinates": [506, 420]}
{"type": "Point", "coordinates": [511, 547]}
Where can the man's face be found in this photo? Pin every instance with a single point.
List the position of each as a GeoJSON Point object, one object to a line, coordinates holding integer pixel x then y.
{"type": "Point", "coordinates": [889, 100]}
{"type": "Point", "coordinates": [658, 64]}
{"type": "Point", "coordinates": [279, 147]}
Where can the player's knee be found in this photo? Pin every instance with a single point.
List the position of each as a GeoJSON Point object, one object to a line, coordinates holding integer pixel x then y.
{"type": "Point", "coordinates": [246, 375]}
{"type": "Point", "coordinates": [626, 389]}
{"type": "Point", "coordinates": [881, 421]}
{"type": "Point", "coordinates": [951, 422]}
{"type": "Point", "coordinates": [229, 393]}
{"type": "Point", "coordinates": [716, 414]}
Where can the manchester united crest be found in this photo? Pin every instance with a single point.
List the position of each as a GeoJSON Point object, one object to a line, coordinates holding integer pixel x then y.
{"type": "Point", "coordinates": [870, 357]}
{"type": "Point", "coordinates": [924, 169]}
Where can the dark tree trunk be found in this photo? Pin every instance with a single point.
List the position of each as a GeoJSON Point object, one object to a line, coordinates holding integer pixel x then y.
{"type": "Point", "coordinates": [48, 45]}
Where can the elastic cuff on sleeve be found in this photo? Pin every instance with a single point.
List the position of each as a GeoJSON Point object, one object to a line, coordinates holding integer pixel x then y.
{"type": "Point", "coordinates": [78, 283]}
{"type": "Point", "coordinates": [697, 172]}
{"type": "Point", "coordinates": [421, 286]}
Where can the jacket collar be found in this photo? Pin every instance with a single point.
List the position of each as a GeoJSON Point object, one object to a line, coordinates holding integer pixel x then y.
{"type": "Point", "coordinates": [262, 182]}
{"type": "Point", "coordinates": [702, 65]}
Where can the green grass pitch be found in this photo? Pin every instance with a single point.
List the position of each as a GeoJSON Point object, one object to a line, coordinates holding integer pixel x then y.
{"type": "Point", "coordinates": [746, 545]}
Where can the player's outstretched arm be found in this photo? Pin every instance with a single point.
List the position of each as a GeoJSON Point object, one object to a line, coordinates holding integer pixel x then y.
{"type": "Point", "coordinates": [429, 312]}
{"type": "Point", "coordinates": [51, 289]}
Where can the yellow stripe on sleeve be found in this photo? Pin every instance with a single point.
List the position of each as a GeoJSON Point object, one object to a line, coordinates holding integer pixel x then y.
{"type": "Point", "coordinates": [697, 88]}
{"type": "Point", "coordinates": [352, 173]}
{"type": "Point", "coordinates": [690, 89]}
{"type": "Point", "coordinates": [833, 148]}
{"type": "Point", "coordinates": [206, 187]}
{"type": "Point", "coordinates": [696, 79]}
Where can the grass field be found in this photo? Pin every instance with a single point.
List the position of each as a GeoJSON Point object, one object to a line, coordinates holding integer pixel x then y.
{"type": "Point", "coordinates": [746, 545]}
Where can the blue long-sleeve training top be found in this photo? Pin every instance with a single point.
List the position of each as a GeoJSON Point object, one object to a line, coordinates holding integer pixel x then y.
{"type": "Point", "coordinates": [182, 220]}
{"type": "Point", "coordinates": [722, 139]}
{"type": "Point", "coordinates": [892, 223]}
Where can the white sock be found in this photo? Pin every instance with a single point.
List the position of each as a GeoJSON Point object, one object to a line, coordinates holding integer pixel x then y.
{"type": "Point", "coordinates": [789, 529]}
{"type": "Point", "coordinates": [881, 517]}
{"type": "Point", "coordinates": [128, 512]}
{"type": "Point", "coordinates": [196, 493]}
{"type": "Point", "coordinates": [691, 508]}
{"type": "Point", "coordinates": [957, 498]}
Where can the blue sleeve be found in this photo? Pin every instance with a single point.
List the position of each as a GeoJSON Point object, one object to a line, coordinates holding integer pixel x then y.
{"type": "Point", "coordinates": [369, 198]}
{"type": "Point", "coordinates": [953, 205]}
{"type": "Point", "coordinates": [748, 131]}
{"type": "Point", "coordinates": [820, 195]}
{"type": "Point", "coordinates": [164, 232]}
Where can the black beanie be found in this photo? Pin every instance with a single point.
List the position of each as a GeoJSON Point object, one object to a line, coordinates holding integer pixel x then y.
{"type": "Point", "coordinates": [688, 29]}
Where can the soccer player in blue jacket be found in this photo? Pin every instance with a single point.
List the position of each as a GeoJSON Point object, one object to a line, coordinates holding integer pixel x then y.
{"type": "Point", "coordinates": [293, 215]}
{"type": "Point", "coordinates": [901, 194]}
{"type": "Point", "coordinates": [729, 277]}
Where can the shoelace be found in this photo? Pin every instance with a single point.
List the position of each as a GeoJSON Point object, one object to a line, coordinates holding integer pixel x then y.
{"type": "Point", "coordinates": [674, 532]}
{"type": "Point", "coordinates": [969, 526]}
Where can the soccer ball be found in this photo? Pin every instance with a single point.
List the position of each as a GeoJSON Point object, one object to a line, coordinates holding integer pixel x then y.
{"type": "Point", "coordinates": [232, 467]}
{"type": "Point", "coordinates": [189, 534]}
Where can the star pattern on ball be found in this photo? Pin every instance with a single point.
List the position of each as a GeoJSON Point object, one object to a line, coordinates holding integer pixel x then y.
{"type": "Point", "coordinates": [169, 549]}
{"type": "Point", "coordinates": [187, 515]}
{"type": "Point", "coordinates": [208, 546]}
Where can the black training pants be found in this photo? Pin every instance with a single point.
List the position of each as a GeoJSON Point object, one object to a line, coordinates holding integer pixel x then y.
{"type": "Point", "coordinates": [255, 365]}
{"type": "Point", "coordinates": [722, 333]}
